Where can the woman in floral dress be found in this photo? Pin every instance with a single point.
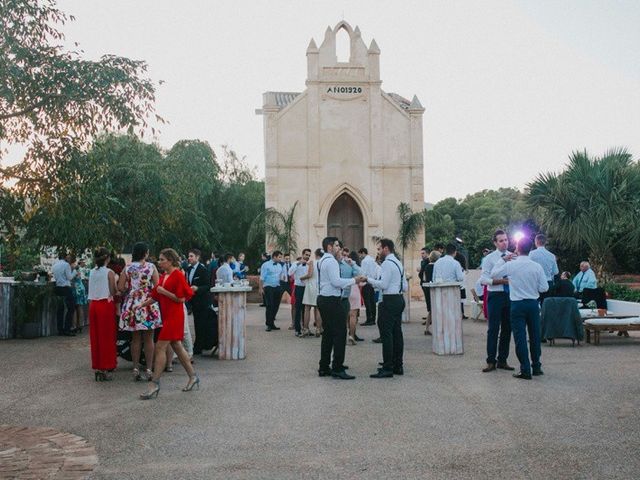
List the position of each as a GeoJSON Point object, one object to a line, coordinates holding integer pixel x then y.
{"type": "Point", "coordinates": [138, 280]}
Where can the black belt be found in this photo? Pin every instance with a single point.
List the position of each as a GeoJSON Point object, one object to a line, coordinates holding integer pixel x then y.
{"type": "Point", "coordinates": [391, 294]}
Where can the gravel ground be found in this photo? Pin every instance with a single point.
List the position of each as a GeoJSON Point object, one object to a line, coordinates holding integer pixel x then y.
{"type": "Point", "coordinates": [271, 417]}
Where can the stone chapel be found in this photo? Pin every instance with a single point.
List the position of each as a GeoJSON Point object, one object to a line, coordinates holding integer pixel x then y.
{"type": "Point", "coordinates": [347, 151]}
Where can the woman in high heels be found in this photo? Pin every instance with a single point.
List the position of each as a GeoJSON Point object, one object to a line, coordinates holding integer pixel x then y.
{"type": "Point", "coordinates": [171, 293]}
{"type": "Point", "coordinates": [102, 316]}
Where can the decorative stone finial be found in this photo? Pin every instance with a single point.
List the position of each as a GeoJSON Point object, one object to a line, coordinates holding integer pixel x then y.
{"type": "Point", "coordinates": [373, 48]}
{"type": "Point", "coordinates": [312, 48]}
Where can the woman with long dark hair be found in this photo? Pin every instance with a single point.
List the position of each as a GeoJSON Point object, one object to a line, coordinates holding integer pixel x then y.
{"type": "Point", "coordinates": [138, 280]}
{"type": "Point", "coordinates": [171, 293]}
{"type": "Point", "coordinates": [102, 316]}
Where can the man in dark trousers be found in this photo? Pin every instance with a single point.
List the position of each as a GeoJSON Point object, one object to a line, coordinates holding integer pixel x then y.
{"type": "Point", "coordinates": [204, 321]}
{"type": "Point", "coordinates": [332, 311]}
{"type": "Point", "coordinates": [499, 323]}
{"type": "Point", "coordinates": [63, 273]}
{"type": "Point", "coordinates": [392, 283]}
{"type": "Point", "coordinates": [368, 267]}
{"type": "Point", "coordinates": [527, 280]}
{"type": "Point", "coordinates": [270, 274]}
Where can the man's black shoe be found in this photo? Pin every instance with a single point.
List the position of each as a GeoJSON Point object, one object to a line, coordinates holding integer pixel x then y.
{"type": "Point", "coordinates": [489, 368]}
{"type": "Point", "coordinates": [523, 376]}
{"type": "Point", "coordinates": [398, 371]}
{"type": "Point", "coordinates": [537, 372]}
{"type": "Point", "coordinates": [275, 328]}
{"type": "Point", "coordinates": [324, 373]}
{"type": "Point", "coordinates": [380, 363]}
{"type": "Point", "coordinates": [382, 374]}
{"type": "Point", "coordinates": [358, 339]}
{"type": "Point", "coordinates": [377, 340]}
{"type": "Point", "coordinates": [504, 366]}
{"type": "Point", "coordinates": [268, 329]}
{"type": "Point", "coordinates": [367, 324]}
{"type": "Point", "coordinates": [262, 305]}
{"type": "Point", "coordinates": [342, 375]}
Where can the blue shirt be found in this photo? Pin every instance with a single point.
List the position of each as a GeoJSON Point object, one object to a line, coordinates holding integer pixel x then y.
{"type": "Point", "coordinates": [547, 261]}
{"type": "Point", "coordinates": [62, 273]}
{"type": "Point", "coordinates": [270, 273]}
{"type": "Point", "coordinates": [584, 280]}
{"type": "Point", "coordinates": [348, 271]}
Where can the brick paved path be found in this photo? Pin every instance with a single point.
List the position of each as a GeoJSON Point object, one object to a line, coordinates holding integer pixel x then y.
{"type": "Point", "coordinates": [37, 453]}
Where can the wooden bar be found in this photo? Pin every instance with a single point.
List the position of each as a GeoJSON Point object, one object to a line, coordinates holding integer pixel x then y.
{"type": "Point", "coordinates": [446, 318]}
{"type": "Point", "coordinates": [232, 308]}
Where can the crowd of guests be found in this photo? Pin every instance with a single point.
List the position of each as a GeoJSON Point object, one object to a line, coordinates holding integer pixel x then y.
{"type": "Point", "coordinates": [151, 300]}
{"type": "Point", "coordinates": [513, 292]}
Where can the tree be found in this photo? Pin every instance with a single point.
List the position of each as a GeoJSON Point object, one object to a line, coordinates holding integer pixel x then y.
{"type": "Point", "coordinates": [53, 101]}
{"type": "Point", "coordinates": [438, 227]}
{"type": "Point", "coordinates": [593, 204]}
{"type": "Point", "coordinates": [279, 228]}
{"type": "Point", "coordinates": [410, 225]}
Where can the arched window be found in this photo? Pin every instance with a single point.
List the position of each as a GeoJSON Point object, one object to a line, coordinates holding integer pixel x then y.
{"type": "Point", "coordinates": [343, 45]}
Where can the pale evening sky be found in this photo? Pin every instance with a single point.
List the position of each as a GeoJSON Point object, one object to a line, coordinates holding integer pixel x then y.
{"type": "Point", "coordinates": [510, 87]}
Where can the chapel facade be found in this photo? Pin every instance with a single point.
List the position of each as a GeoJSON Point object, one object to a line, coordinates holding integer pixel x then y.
{"type": "Point", "coordinates": [347, 151]}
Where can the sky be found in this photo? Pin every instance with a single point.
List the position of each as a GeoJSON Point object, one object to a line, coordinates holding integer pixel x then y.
{"type": "Point", "coordinates": [510, 88]}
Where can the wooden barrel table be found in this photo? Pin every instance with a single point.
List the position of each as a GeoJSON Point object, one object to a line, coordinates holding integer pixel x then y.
{"type": "Point", "coordinates": [232, 309]}
{"type": "Point", "coordinates": [446, 317]}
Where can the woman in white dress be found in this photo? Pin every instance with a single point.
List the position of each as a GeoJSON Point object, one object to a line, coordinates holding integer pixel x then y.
{"type": "Point", "coordinates": [310, 296]}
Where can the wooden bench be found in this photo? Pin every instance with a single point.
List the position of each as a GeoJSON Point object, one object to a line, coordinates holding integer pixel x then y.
{"type": "Point", "coordinates": [598, 324]}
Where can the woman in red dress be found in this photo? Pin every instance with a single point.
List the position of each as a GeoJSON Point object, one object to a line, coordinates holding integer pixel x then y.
{"type": "Point", "coordinates": [102, 316]}
{"type": "Point", "coordinates": [171, 293]}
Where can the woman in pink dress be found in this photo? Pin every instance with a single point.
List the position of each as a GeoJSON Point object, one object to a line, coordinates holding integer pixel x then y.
{"type": "Point", "coordinates": [138, 280]}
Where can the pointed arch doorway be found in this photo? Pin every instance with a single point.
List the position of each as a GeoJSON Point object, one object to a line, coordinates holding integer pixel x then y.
{"type": "Point", "coordinates": [345, 222]}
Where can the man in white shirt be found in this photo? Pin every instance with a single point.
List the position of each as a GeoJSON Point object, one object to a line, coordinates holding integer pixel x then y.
{"type": "Point", "coordinates": [526, 281]}
{"type": "Point", "coordinates": [393, 283]}
{"type": "Point", "coordinates": [63, 273]}
{"type": "Point", "coordinates": [447, 268]}
{"type": "Point", "coordinates": [297, 271]}
{"type": "Point", "coordinates": [334, 316]}
{"type": "Point", "coordinates": [547, 261]}
{"type": "Point", "coordinates": [368, 266]}
{"type": "Point", "coordinates": [224, 272]}
{"type": "Point", "coordinates": [498, 307]}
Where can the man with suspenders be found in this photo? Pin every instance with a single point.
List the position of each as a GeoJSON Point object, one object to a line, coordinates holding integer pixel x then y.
{"type": "Point", "coordinates": [393, 283]}
{"type": "Point", "coordinates": [332, 311]}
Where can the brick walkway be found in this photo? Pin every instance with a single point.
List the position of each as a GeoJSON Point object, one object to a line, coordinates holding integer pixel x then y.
{"type": "Point", "coordinates": [35, 453]}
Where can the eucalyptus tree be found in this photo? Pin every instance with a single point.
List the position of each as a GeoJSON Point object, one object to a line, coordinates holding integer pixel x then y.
{"type": "Point", "coordinates": [593, 205]}
{"type": "Point", "coordinates": [53, 101]}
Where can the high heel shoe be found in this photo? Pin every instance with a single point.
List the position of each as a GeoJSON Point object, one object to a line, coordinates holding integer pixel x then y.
{"type": "Point", "coordinates": [193, 382]}
{"type": "Point", "coordinates": [148, 375]}
{"type": "Point", "coordinates": [136, 374]}
{"type": "Point", "coordinates": [153, 393]}
{"type": "Point", "coordinates": [102, 376]}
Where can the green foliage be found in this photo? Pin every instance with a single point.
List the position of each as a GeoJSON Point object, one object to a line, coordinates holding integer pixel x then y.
{"type": "Point", "coordinates": [279, 228]}
{"type": "Point", "coordinates": [594, 205]}
{"type": "Point", "coordinates": [475, 218]}
{"type": "Point", "coordinates": [410, 225]}
{"type": "Point", "coordinates": [29, 299]}
{"type": "Point", "coordinates": [622, 292]}
{"type": "Point", "coordinates": [53, 101]}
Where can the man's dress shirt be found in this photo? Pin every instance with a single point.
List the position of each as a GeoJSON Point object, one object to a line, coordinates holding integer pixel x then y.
{"type": "Point", "coordinates": [526, 278]}
{"type": "Point", "coordinates": [448, 269]}
{"type": "Point", "coordinates": [329, 282]}
{"type": "Point", "coordinates": [392, 280]}
{"type": "Point", "coordinates": [224, 273]}
{"type": "Point", "coordinates": [584, 280]}
{"type": "Point", "coordinates": [62, 273]}
{"type": "Point", "coordinates": [547, 261]}
{"type": "Point", "coordinates": [368, 266]}
{"type": "Point", "coordinates": [298, 270]}
{"type": "Point", "coordinates": [270, 273]}
{"type": "Point", "coordinates": [487, 266]}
